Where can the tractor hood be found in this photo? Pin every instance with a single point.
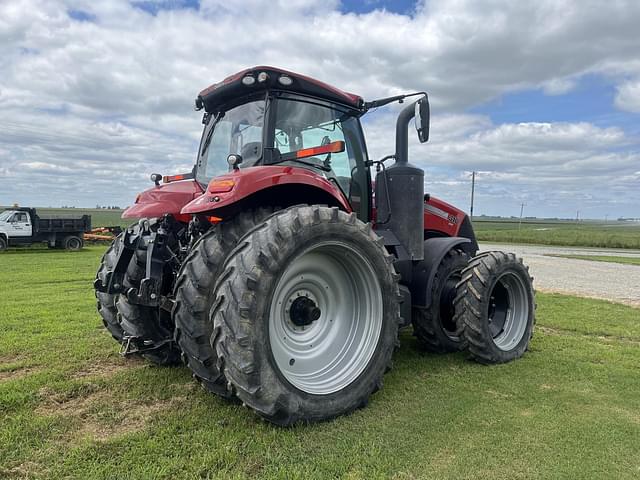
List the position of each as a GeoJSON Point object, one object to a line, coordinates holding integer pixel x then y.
{"type": "Point", "coordinates": [165, 199]}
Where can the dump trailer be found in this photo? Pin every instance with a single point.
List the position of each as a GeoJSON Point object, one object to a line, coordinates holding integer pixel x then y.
{"type": "Point", "coordinates": [281, 272]}
{"type": "Point", "coordinates": [24, 226]}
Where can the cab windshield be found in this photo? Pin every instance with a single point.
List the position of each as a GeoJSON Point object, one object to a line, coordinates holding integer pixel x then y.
{"type": "Point", "coordinates": [4, 216]}
{"type": "Point", "coordinates": [236, 131]}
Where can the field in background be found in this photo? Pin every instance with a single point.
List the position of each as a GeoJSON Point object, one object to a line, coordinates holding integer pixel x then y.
{"type": "Point", "coordinates": [567, 233]}
{"type": "Point", "coordinates": [601, 258]}
{"type": "Point", "coordinates": [71, 407]}
{"type": "Point", "coordinates": [560, 232]}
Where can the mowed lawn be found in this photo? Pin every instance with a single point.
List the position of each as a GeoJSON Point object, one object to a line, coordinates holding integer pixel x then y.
{"type": "Point", "coordinates": [71, 407]}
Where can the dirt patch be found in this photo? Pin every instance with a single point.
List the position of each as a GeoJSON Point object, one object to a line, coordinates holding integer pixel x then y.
{"type": "Point", "coordinates": [99, 415]}
{"type": "Point", "coordinates": [109, 367]}
{"type": "Point", "coordinates": [603, 339]}
{"type": "Point", "coordinates": [5, 359]}
{"type": "Point", "coordinates": [23, 470]}
{"type": "Point", "coordinates": [16, 373]}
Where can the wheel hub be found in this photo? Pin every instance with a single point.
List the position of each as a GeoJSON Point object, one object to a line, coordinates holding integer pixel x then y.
{"type": "Point", "coordinates": [304, 311]}
{"type": "Point", "coordinates": [325, 318]}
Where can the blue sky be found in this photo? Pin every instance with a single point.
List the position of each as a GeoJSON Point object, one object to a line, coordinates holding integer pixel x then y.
{"type": "Point", "coordinates": [542, 99]}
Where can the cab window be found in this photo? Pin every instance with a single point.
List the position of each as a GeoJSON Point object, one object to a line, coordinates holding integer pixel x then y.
{"type": "Point", "coordinates": [301, 124]}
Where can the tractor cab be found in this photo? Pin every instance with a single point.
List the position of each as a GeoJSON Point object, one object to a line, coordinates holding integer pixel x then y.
{"type": "Point", "coordinates": [267, 117]}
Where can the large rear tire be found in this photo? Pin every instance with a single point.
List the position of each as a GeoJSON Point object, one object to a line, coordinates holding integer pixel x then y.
{"type": "Point", "coordinates": [436, 327]}
{"type": "Point", "coordinates": [152, 327]}
{"type": "Point", "coordinates": [106, 302]}
{"type": "Point", "coordinates": [496, 302]}
{"type": "Point", "coordinates": [306, 316]}
{"type": "Point", "coordinates": [194, 296]}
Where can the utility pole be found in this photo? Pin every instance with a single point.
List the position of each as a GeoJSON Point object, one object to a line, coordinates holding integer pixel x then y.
{"type": "Point", "coordinates": [577, 216]}
{"type": "Point", "coordinates": [521, 210]}
{"type": "Point", "coordinates": [473, 188]}
{"type": "Point", "coordinates": [606, 217]}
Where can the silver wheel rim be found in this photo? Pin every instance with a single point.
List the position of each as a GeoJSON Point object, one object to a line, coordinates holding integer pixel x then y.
{"type": "Point", "coordinates": [508, 311]}
{"type": "Point", "coordinates": [329, 353]}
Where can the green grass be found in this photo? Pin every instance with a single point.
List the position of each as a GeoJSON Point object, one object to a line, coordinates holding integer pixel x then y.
{"type": "Point", "coordinates": [70, 407]}
{"type": "Point", "coordinates": [602, 258]}
{"type": "Point", "coordinates": [584, 234]}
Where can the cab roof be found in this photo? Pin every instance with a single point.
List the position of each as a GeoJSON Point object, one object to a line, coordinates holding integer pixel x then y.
{"type": "Point", "coordinates": [264, 77]}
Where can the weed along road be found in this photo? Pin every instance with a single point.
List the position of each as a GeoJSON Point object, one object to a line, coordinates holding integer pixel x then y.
{"type": "Point", "coordinates": [597, 279]}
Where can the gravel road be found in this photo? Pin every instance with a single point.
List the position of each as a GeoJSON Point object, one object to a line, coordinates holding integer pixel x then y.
{"type": "Point", "coordinates": [609, 281]}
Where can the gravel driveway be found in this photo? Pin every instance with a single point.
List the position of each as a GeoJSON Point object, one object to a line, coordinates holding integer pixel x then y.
{"type": "Point", "coordinates": [609, 281]}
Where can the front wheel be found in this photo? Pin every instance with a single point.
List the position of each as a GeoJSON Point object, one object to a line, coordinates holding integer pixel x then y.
{"type": "Point", "coordinates": [307, 315]}
{"type": "Point", "coordinates": [3, 244]}
{"type": "Point", "coordinates": [495, 301]}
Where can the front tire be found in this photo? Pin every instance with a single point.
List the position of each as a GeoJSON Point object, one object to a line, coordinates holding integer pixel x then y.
{"type": "Point", "coordinates": [307, 314]}
{"type": "Point", "coordinates": [3, 244]}
{"type": "Point", "coordinates": [496, 302]}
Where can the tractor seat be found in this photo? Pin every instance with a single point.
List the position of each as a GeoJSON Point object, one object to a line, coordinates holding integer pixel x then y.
{"type": "Point", "coordinates": [251, 152]}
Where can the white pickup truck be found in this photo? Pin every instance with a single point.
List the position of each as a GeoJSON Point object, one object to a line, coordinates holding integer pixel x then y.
{"type": "Point", "coordinates": [23, 226]}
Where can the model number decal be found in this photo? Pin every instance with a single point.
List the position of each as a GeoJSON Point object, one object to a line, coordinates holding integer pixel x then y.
{"type": "Point", "coordinates": [441, 213]}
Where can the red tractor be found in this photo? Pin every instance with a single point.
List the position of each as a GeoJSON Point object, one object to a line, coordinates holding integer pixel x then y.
{"type": "Point", "coordinates": [281, 273]}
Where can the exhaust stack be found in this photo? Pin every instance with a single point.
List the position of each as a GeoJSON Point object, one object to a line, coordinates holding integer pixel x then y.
{"type": "Point", "coordinates": [404, 189]}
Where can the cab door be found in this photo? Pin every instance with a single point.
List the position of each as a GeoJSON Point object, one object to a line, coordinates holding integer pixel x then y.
{"type": "Point", "coordinates": [20, 225]}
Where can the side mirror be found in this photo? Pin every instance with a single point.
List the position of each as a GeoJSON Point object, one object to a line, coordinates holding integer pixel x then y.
{"type": "Point", "coordinates": [156, 178]}
{"type": "Point", "coordinates": [422, 119]}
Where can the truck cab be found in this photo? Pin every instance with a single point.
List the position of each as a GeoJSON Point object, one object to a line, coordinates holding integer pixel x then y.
{"type": "Point", "coordinates": [15, 224]}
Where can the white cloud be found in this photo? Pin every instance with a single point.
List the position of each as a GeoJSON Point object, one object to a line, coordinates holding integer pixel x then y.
{"type": "Point", "coordinates": [628, 97]}
{"type": "Point", "coordinates": [100, 104]}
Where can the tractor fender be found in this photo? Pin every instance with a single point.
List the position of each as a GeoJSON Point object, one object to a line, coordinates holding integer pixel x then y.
{"type": "Point", "coordinates": [247, 182]}
{"type": "Point", "coordinates": [166, 199]}
{"type": "Point", "coordinates": [425, 270]}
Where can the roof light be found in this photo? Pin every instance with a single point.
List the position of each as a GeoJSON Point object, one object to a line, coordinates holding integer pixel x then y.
{"type": "Point", "coordinates": [285, 80]}
{"type": "Point", "coordinates": [263, 77]}
{"type": "Point", "coordinates": [221, 186]}
{"type": "Point", "coordinates": [248, 80]}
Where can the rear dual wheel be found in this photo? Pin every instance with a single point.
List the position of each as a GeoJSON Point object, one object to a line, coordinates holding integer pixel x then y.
{"type": "Point", "coordinates": [151, 327]}
{"type": "Point", "coordinates": [436, 326]}
{"type": "Point", "coordinates": [194, 296]}
{"type": "Point", "coordinates": [307, 315]}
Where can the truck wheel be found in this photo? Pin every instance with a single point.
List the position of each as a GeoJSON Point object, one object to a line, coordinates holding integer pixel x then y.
{"type": "Point", "coordinates": [194, 296]}
{"type": "Point", "coordinates": [436, 327]}
{"type": "Point", "coordinates": [496, 302]}
{"type": "Point", "coordinates": [72, 242]}
{"type": "Point", "coordinates": [107, 301]}
{"type": "Point", "coordinates": [306, 316]}
{"type": "Point", "coordinates": [3, 244]}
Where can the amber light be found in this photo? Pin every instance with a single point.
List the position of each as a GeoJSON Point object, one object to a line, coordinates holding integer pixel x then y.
{"type": "Point", "coordinates": [172, 178]}
{"type": "Point", "coordinates": [221, 186]}
{"type": "Point", "coordinates": [333, 147]}
{"type": "Point", "coordinates": [214, 219]}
